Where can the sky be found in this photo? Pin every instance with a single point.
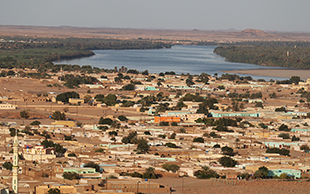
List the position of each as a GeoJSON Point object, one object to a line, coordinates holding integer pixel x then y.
{"type": "Point", "coordinates": [269, 15]}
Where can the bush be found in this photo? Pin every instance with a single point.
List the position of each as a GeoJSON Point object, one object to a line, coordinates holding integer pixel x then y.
{"type": "Point", "coordinates": [227, 151]}
{"type": "Point", "coordinates": [53, 191]}
{"type": "Point", "coordinates": [70, 175]}
{"type": "Point", "coordinates": [284, 128]}
{"type": "Point", "coordinates": [284, 176]}
{"type": "Point", "coordinates": [7, 165]}
{"type": "Point", "coordinates": [143, 147]}
{"type": "Point", "coordinates": [24, 114]}
{"type": "Point", "coordinates": [305, 148]}
{"type": "Point", "coordinates": [106, 121]}
{"type": "Point", "coordinates": [199, 139]}
{"type": "Point", "coordinates": [170, 167]}
{"type": "Point", "coordinates": [262, 172]}
{"type": "Point", "coordinates": [149, 173]}
{"type": "Point", "coordinates": [284, 135]}
{"type": "Point", "coordinates": [216, 146]}
{"type": "Point", "coordinates": [93, 165]}
{"type": "Point", "coordinates": [129, 87]}
{"type": "Point", "coordinates": [163, 123]}
{"type": "Point", "coordinates": [227, 162]}
{"type": "Point", "coordinates": [206, 173]}
{"type": "Point", "coordinates": [71, 155]}
{"type": "Point", "coordinates": [173, 135]}
{"type": "Point", "coordinates": [64, 97]}
{"type": "Point", "coordinates": [122, 118]}
{"type": "Point", "coordinates": [35, 123]}
{"type": "Point", "coordinates": [283, 151]}
{"type": "Point", "coordinates": [174, 124]}
{"type": "Point", "coordinates": [171, 145]}
{"type": "Point", "coordinates": [57, 115]}
{"type": "Point", "coordinates": [282, 109]}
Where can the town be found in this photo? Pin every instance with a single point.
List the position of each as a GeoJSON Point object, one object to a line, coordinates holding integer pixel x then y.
{"type": "Point", "coordinates": [121, 130]}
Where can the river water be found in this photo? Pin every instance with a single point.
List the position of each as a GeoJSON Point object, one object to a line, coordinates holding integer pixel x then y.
{"type": "Point", "coordinates": [179, 58]}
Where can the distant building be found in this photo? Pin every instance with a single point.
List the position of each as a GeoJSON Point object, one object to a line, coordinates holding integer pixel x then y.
{"type": "Point", "coordinates": [38, 153]}
{"type": "Point", "coordinates": [76, 100]}
{"type": "Point", "coordinates": [7, 106]}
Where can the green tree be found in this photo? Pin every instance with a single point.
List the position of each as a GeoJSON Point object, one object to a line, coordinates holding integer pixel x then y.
{"type": "Point", "coordinates": [35, 123]}
{"type": "Point", "coordinates": [227, 161]}
{"type": "Point", "coordinates": [99, 97]}
{"type": "Point", "coordinates": [172, 136]}
{"type": "Point", "coordinates": [284, 135]}
{"type": "Point", "coordinates": [13, 131]}
{"type": "Point", "coordinates": [198, 139]}
{"type": "Point", "coordinates": [122, 118]}
{"type": "Point", "coordinates": [106, 121]}
{"type": "Point", "coordinates": [170, 167]}
{"type": "Point", "coordinates": [70, 175]}
{"type": "Point", "coordinates": [262, 172]}
{"type": "Point", "coordinates": [24, 114]}
{"type": "Point", "coordinates": [72, 155]}
{"type": "Point", "coordinates": [57, 115]}
{"type": "Point", "coordinates": [110, 99]}
{"type": "Point", "coordinates": [206, 173]}
{"type": "Point", "coordinates": [284, 127]}
{"type": "Point", "coordinates": [149, 173]}
{"type": "Point", "coordinates": [53, 191]}
{"type": "Point", "coordinates": [171, 145]}
{"type": "Point", "coordinates": [143, 147]}
{"type": "Point", "coordinates": [93, 165]}
{"type": "Point", "coordinates": [227, 151]}
{"type": "Point", "coordinates": [131, 138]}
{"type": "Point", "coordinates": [259, 104]}
{"type": "Point", "coordinates": [64, 97]}
{"type": "Point", "coordinates": [273, 95]}
{"type": "Point", "coordinates": [7, 165]}
{"type": "Point", "coordinates": [304, 148]}
{"type": "Point", "coordinates": [129, 87]}
{"type": "Point", "coordinates": [87, 98]}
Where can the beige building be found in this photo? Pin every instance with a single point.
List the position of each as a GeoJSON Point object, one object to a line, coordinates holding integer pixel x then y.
{"type": "Point", "coordinates": [38, 153]}
{"type": "Point", "coordinates": [7, 106]}
{"type": "Point", "coordinates": [63, 189]}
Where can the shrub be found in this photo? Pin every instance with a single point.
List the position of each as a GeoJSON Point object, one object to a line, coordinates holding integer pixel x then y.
{"type": "Point", "coordinates": [71, 155]}
{"type": "Point", "coordinates": [70, 175]}
{"type": "Point", "coordinates": [93, 165]}
{"type": "Point", "coordinates": [122, 118]}
{"type": "Point", "coordinates": [7, 165]}
{"type": "Point", "coordinates": [35, 123]}
{"type": "Point", "coordinates": [170, 167]}
{"type": "Point", "coordinates": [282, 151]}
{"type": "Point", "coordinates": [206, 173]}
{"type": "Point", "coordinates": [227, 162]}
{"type": "Point", "coordinates": [171, 145]}
{"type": "Point", "coordinates": [262, 172]}
{"type": "Point", "coordinates": [199, 139]}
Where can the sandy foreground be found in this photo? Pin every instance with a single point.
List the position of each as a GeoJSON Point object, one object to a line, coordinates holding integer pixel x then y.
{"type": "Point", "coordinates": [304, 74]}
{"type": "Point", "coordinates": [202, 186]}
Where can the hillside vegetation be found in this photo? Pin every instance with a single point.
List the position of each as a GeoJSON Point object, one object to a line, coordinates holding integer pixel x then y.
{"type": "Point", "coordinates": [277, 54]}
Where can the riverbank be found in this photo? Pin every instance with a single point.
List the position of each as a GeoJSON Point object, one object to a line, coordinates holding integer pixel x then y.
{"type": "Point", "coordinates": [304, 74]}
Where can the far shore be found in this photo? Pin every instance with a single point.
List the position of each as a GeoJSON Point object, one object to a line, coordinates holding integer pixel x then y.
{"type": "Point", "coordinates": [302, 73]}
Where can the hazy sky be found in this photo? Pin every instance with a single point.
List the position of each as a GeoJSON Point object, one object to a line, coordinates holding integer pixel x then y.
{"type": "Point", "coordinates": [280, 15]}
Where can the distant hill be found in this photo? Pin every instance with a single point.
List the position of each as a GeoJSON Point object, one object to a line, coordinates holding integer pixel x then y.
{"type": "Point", "coordinates": [254, 33]}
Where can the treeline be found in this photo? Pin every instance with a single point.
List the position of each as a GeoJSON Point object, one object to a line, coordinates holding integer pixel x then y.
{"type": "Point", "coordinates": [278, 56]}
{"type": "Point", "coordinates": [38, 53]}
{"type": "Point", "coordinates": [80, 43]}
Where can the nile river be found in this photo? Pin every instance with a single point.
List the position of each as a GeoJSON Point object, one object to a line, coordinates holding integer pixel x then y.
{"type": "Point", "coordinates": [180, 59]}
